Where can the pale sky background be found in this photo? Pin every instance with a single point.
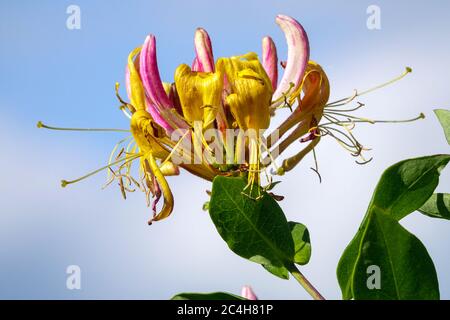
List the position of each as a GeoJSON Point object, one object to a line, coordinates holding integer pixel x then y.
{"type": "Point", "coordinates": [67, 78]}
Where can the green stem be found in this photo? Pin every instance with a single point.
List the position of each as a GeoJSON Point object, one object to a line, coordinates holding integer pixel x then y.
{"type": "Point", "coordinates": [305, 283]}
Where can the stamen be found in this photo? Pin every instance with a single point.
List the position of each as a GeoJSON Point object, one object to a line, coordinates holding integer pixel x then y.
{"type": "Point", "coordinates": [125, 112]}
{"type": "Point", "coordinates": [125, 105]}
{"type": "Point", "coordinates": [351, 126]}
{"type": "Point", "coordinates": [116, 88]}
{"type": "Point", "coordinates": [283, 97]}
{"type": "Point", "coordinates": [360, 105]}
{"type": "Point", "coordinates": [120, 153]}
{"type": "Point", "coordinates": [343, 101]}
{"type": "Point", "coordinates": [133, 151]}
{"type": "Point", "coordinates": [316, 169]}
{"type": "Point", "coordinates": [349, 116]}
{"type": "Point", "coordinates": [270, 157]}
{"type": "Point", "coordinates": [129, 180]}
{"type": "Point", "coordinates": [41, 125]}
{"type": "Point", "coordinates": [351, 147]}
{"type": "Point", "coordinates": [114, 150]}
{"type": "Point", "coordinates": [64, 183]}
{"type": "Point", "coordinates": [136, 183]}
{"type": "Point", "coordinates": [363, 162]}
{"type": "Point", "coordinates": [349, 133]}
{"type": "Point", "coordinates": [407, 70]}
{"type": "Point", "coordinates": [122, 189]}
{"type": "Point", "coordinates": [362, 120]}
{"type": "Point", "coordinates": [110, 180]}
{"type": "Point", "coordinates": [356, 94]}
{"type": "Point", "coordinates": [254, 169]}
{"type": "Point", "coordinates": [316, 132]}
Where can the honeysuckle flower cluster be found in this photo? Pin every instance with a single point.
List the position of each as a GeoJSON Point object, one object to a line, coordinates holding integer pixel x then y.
{"type": "Point", "coordinates": [230, 97]}
{"type": "Point", "coordinates": [213, 119]}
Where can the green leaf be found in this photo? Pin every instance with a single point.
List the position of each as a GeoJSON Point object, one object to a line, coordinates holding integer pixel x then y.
{"type": "Point", "coordinates": [406, 271]}
{"type": "Point", "coordinates": [207, 296]}
{"type": "Point", "coordinates": [254, 229]}
{"type": "Point", "coordinates": [346, 266]}
{"type": "Point", "coordinates": [302, 242]}
{"type": "Point", "coordinates": [402, 189]}
{"type": "Point", "coordinates": [279, 271]}
{"type": "Point", "coordinates": [444, 118]}
{"type": "Point", "coordinates": [438, 206]}
{"type": "Point", "coordinates": [405, 186]}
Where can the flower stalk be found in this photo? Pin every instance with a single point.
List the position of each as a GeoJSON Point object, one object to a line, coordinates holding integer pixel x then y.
{"type": "Point", "coordinates": [313, 292]}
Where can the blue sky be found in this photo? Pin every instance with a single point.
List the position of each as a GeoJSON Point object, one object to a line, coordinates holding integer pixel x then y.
{"type": "Point", "coordinates": [66, 77]}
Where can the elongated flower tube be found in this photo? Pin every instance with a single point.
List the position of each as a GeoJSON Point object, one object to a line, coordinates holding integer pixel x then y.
{"type": "Point", "coordinates": [202, 103]}
{"type": "Point", "coordinates": [270, 60]}
{"type": "Point", "coordinates": [251, 91]}
{"type": "Point", "coordinates": [158, 101]}
{"type": "Point", "coordinates": [249, 102]}
{"type": "Point", "coordinates": [298, 56]}
{"type": "Point", "coordinates": [213, 118]}
{"type": "Point", "coordinates": [150, 74]}
{"type": "Point", "coordinates": [204, 60]}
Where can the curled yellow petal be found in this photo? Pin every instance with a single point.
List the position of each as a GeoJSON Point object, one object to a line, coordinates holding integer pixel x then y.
{"type": "Point", "coordinates": [200, 94]}
{"type": "Point", "coordinates": [136, 89]}
{"type": "Point", "coordinates": [167, 207]}
{"type": "Point", "coordinates": [251, 90]}
{"type": "Point", "coordinates": [146, 132]}
{"type": "Point", "coordinates": [316, 87]}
